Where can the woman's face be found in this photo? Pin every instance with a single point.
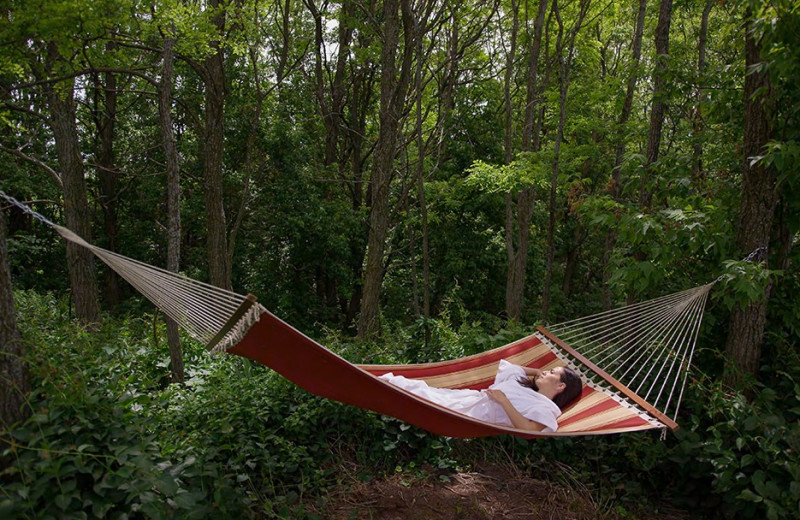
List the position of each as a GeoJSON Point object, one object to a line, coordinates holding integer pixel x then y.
{"type": "Point", "coordinates": [550, 381]}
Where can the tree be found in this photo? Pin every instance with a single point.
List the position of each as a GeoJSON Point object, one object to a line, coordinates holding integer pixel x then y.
{"type": "Point", "coordinates": [516, 250]}
{"type": "Point", "coordinates": [659, 103]}
{"type": "Point", "coordinates": [520, 220]}
{"type": "Point", "coordinates": [625, 114]}
{"type": "Point", "coordinates": [14, 383]}
{"type": "Point", "coordinates": [61, 104]}
{"type": "Point", "coordinates": [756, 209]}
{"type": "Point", "coordinates": [394, 86]}
{"type": "Point", "coordinates": [173, 193]}
{"type": "Point", "coordinates": [564, 74]}
{"type": "Point", "coordinates": [105, 116]}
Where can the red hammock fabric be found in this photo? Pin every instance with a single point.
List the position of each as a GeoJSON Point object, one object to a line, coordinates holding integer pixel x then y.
{"type": "Point", "coordinates": [311, 366]}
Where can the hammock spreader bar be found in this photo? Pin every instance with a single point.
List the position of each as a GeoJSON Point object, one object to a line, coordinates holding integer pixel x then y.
{"type": "Point", "coordinates": [630, 394]}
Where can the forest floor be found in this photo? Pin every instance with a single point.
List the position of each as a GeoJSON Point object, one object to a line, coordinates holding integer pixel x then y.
{"type": "Point", "coordinates": [488, 493]}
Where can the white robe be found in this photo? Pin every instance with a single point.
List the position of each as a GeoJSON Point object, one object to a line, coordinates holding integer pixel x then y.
{"type": "Point", "coordinates": [477, 403]}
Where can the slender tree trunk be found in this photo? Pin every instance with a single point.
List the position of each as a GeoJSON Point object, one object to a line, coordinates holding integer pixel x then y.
{"type": "Point", "coordinates": [756, 213]}
{"type": "Point", "coordinates": [14, 385]}
{"type": "Point", "coordinates": [616, 181]}
{"type": "Point", "coordinates": [517, 259]}
{"type": "Point", "coordinates": [173, 196]}
{"type": "Point", "coordinates": [108, 177]}
{"type": "Point", "coordinates": [331, 99]}
{"type": "Point", "coordinates": [521, 219]}
{"type": "Point", "coordinates": [420, 177]}
{"type": "Point", "coordinates": [214, 78]}
{"type": "Point", "coordinates": [447, 87]}
{"type": "Point", "coordinates": [514, 286]}
{"type": "Point", "coordinates": [627, 106]}
{"type": "Point", "coordinates": [659, 108]}
{"type": "Point", "coordinates": [532, 93]}
{"type": "Point", "coordinates": [697, 126]}
{"type": "Point", "coordinates": [393, 91]}
{"type": "Point", "coordinates": [565, 68]}
{"type": "Point", "coordinates": [80, 261]}
{"type": "Point", "coordinates": [361, 94]}
{"type": "Point", "coordinates": [507, 81]}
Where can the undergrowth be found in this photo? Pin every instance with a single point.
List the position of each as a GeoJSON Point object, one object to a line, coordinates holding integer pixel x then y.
{"type": "Point", "coordinates": [110, 437]}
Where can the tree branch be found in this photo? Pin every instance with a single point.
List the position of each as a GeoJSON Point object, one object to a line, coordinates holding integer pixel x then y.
{"type": "Point", "coordinates": [38, 162]}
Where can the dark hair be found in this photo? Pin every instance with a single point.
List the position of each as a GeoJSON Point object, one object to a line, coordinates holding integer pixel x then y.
{"type": "Point", "coordinates": [573, 387]}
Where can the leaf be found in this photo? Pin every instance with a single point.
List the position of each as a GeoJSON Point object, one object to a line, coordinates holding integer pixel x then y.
{"type": "Point", "coordinates": [62, 501]}
{"type": "Point", "coordinates": [750, 496]}
{"type": "Point", "coordinates": [184, 499]}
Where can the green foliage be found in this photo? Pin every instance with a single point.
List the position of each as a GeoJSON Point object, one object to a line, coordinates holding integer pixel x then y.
{"type": "Point", "coordinates": [109, 437]}
{"type": "Point", "coordinates": [748, 447]}
{"type": "Point", "coordinates": [88, 450]}
{"type": "Point", "coordinates": [508, 178]}
{"type": "Point", "coordinates": [745, 282]}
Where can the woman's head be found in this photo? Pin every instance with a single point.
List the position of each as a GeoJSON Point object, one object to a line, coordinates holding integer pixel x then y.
{"type": "Point", "coordinates": [561, 384]}
{"type": "Point", "coordinates": [571, 389]}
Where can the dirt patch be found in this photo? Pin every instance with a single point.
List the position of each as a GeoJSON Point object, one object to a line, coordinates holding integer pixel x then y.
{"type": "Point", "coordinates": [491, 493]}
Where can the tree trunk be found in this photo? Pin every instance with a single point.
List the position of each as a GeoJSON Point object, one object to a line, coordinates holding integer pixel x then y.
{"type": "Point", "coordinates": [659, 100]}
{"type": "Point", "coordinates": [173, 197]}
{"type": "Point", "coordinates": [420, 177]}
{"type": "Point", "coordinates": [447, 87]}
{"type": "Point", "coordinates": [214, 78]}
{"type": "Point", "coordinates": [507, 80]}
{"type": "Point", "coordinates": [616, 181]}
{"type": "Point", "coordinates": [331, 100]}
{"type": "Point", "coordinates": [14, 385]}
{"type": "Point", "coordinates": [80, 262]}
{"type": "Point", "coordinates": [393, 93]}
{"type": "Point", "coordinates": [517, 244]}
{"type": "Point", "coordinates": [361, 95]}
{"type": "Point", "coordinates": [532, 92]}
{"type": "Point", "coordinates": [514, 251]}
{"type": "Point", "coordinates": [630, 90]}
{"type": "Point", "coordinates": [108, 177]}
{"type": "Point", "coordinates": [565, 67]}
{"type": "Point", "coordinates": [756, 212]}
{"type": "Point", "coordinates": [332, 105]}
{"type": "Point", "coordinates": [697, 122]}
{"type": "Point", "coordinates": [517, 259]}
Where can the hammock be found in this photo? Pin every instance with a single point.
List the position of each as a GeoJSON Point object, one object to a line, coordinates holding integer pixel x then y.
{"type": "Point", "coordinates": [645, 351]}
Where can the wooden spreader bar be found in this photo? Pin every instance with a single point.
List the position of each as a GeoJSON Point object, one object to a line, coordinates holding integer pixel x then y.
{"type": "Point", "coordinates": [652, 410]}
{"type": "Point", "coordinates": [240, 311]}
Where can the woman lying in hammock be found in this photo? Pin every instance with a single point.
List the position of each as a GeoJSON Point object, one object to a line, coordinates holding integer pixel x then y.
{"type": "Point", "coordinates": [520, 397]}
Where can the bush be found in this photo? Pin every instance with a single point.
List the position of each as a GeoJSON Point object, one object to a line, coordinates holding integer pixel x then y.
{"type": "Point", "coordinates": [110, 437]}
{"type": "Point", "coordinates": [749, 450]}
{"type": "Point", "coordinates": [87, 449]}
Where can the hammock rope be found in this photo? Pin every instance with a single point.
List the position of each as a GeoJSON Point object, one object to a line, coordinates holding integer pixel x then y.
{"type": "Point", "coordinates": [645, 351]}
{"type": "Point", "coordinates": [647, 347]}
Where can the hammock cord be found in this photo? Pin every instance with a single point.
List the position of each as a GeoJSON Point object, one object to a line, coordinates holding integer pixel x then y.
{"type": "Point", "coordinates": [647, 347]}
{"type": "Point", "coordinates": [201, 309]}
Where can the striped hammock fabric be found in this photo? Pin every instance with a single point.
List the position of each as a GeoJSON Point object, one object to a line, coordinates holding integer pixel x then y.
{"type": "Point", "coordinates": [311, 366]}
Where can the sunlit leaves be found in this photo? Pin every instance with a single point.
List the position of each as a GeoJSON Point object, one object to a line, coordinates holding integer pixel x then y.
{"type": "Point", "coordinates": [507, 178]}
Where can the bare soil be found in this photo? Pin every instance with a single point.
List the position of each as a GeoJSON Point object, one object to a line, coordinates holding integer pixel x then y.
{"type": "Point", "coordinates": [490, 493]}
